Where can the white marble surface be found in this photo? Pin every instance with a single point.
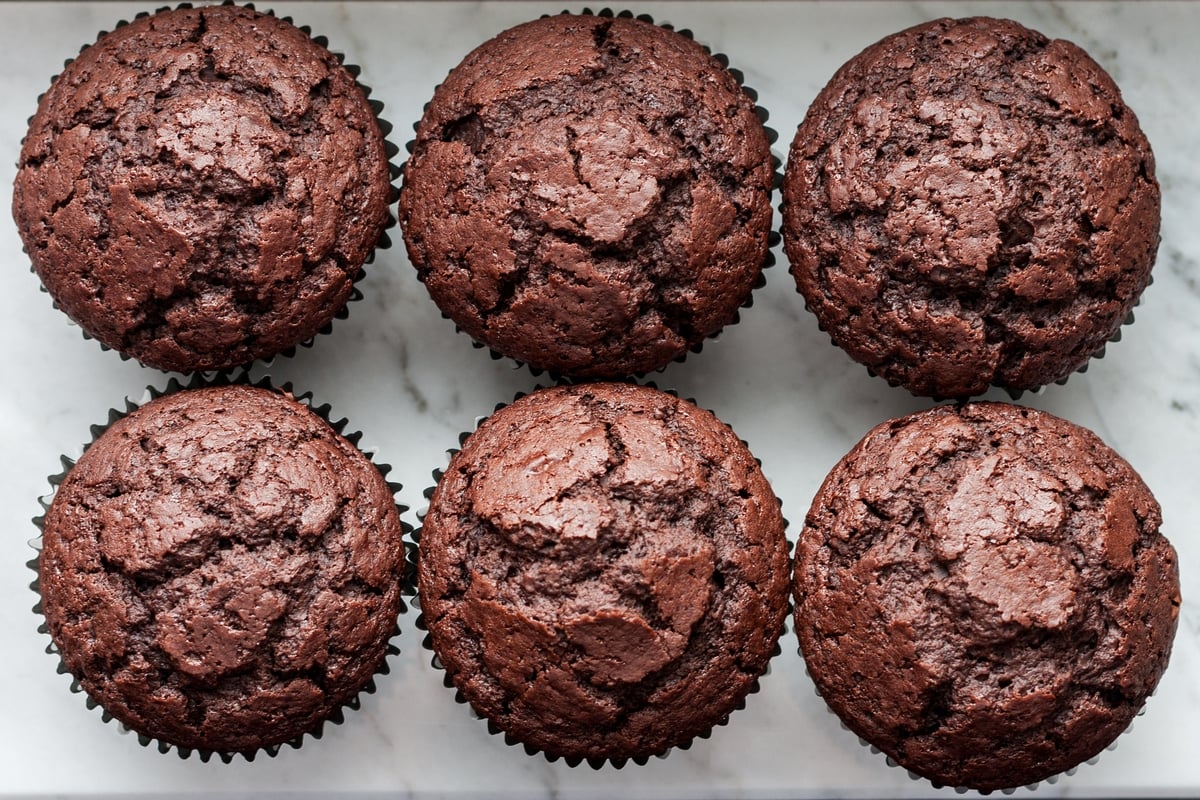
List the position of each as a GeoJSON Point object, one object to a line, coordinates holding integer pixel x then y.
{"type": "Point", "coordinates": [402, 375]}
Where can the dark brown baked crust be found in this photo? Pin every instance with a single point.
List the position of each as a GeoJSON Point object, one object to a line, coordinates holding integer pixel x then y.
{"type": "Point", "coordinates": [983, 593]}
{"type": "Point", "coordinates": [589, 195]}
{"type": "Point", "coordinates": [201, 187]}
{"type": "Point", "coordinates": [603, 571]}
{"type": "Point", "coordinates": [969, 203]}
{"type": "Point", "coordinates": [221, 570]}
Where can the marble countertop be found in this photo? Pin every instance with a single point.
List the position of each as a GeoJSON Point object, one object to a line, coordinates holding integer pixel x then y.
{"type": "Point", "coordinates": [402, 375]}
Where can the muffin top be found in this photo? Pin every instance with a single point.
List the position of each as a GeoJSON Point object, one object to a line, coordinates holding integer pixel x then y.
{"type": "Point", "coordinates": [970, 203]}
{"type": "Point", "coordinates": [983, 593]}
{"type": "Point", "coordinates": [221, 570]}
{"type": "Point", "coordinates": [201, 187]}
{"type": "Point", "coordinates": [603, 571]}
{"type": "Point", "coordinates": [589, 195]}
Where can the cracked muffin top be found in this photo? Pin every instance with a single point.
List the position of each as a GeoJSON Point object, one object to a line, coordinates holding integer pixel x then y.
{"type": "Point", "coordinates": [968, 203]}
{"type": "Point", "coordinates": [589, 195]}
{"type": "Point", "coordinates": [201, 187]}
{"type": "Point", "coordinates": [603, 571]}
{"type": "Point", "coordinates": [983, 594]}
{"type": "Point", "coordinates": [221, 570]}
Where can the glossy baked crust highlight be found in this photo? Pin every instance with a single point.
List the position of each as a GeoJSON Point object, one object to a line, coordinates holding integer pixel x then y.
{"type": "Point", "coordinates": [969, 203]}
{"type": "Point", "coordinates": [221, 570]}
{"type": "Point", "coordinates": [983, 594]}
{"type": "Point", "coordinates": [201, 187]}
{"type": "Point", "coordinates": [589, 195]}
{"type": "Point", "coordinates": [603, 571]}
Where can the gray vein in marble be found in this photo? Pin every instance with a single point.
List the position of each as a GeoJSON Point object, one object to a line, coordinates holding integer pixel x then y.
{"type": "Point", "coordinates": [1182, 266]}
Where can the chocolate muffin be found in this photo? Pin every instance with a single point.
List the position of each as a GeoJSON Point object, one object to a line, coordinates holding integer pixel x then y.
{"type": "Point", "coordinates": [201, 188]}
{"type": "Point", "coordinates": [221, 570]}
{"type": "Point", "coordinates": [603, 572]}
{"type": "Point", "coordinates": [589, 195]}
{"type": "Point", "coordinates": [968, 203]}
{"type": "Point", "coordinates": [983, 594]}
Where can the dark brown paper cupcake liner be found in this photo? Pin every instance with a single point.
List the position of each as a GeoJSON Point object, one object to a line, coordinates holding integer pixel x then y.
{"type": "Point", "coordinates": [339, 426]}
{"type": "Point", "coordinates": [384, 242]}
{"type": "Point", "coordinates": [492, 727]}
{"type": "Point", "coordinates": [774, 239]}
{"type": "Point", "coordinates": [1009, 790]}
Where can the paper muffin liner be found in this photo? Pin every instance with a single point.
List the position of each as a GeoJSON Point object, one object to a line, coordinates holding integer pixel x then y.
{"type": "Point", "coordinates": [492, 727]}
{"type": "Point", "coordinates": [384, 242]}
{"type": "Point", "coordinates": [774, 239]}
{"type": "Point", "coordinates": [339, 426]}
{"type": "Point", "coordinates": [1008, 790]}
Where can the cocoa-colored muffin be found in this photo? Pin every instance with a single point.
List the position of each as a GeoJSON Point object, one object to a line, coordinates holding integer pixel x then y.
{"type": "Point", "coordinates": [603, 571]}
{"type": "Point", "coordinates": [221, 570]}
{"type": "Point", "coordinates": [983, 594]}
{"type": "Point", "coordinates": [589, 195]}
{"type": "Point", "coordinates": [968, 203]}
{"type": "Point", "coordinates": [201, 187]}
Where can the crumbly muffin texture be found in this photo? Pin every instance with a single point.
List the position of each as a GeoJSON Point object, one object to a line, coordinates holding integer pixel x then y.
{"type": "Point", "coordinates": [201, 187]}
{"type": "Point", "coordinates": [603, 571]}
{"type": "Point", "coordinates": [969, 203]}
{"type": "Point", "coordinates": [983, 594]}
{"type": "Point", "coordinates": [589, 195]}
{"type": "Point", "coordinates": [221, 570]}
